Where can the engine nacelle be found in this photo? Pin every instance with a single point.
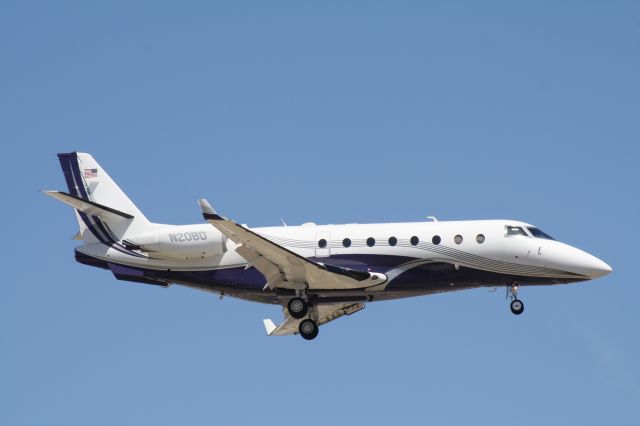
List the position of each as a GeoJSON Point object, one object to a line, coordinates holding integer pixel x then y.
{"type": "Point", "coordinates": [182, 242]}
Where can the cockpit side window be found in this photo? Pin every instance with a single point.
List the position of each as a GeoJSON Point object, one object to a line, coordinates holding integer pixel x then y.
{"type": "Point", "coordinates": [512, 231]}
{"type": "Point", "coordinates": [539, 234]}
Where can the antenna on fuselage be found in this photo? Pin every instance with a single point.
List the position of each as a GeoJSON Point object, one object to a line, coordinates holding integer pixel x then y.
{"type": "Point", "coordinates": [283, 222]}
{"type": "Point", "coordinates": [433, 218]}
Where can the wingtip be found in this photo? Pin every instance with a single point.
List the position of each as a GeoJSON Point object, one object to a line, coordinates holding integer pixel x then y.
{"type": "Point", "coordinates": [207, 210]}
{"type": "Point", "coordinates": [205, 206]}
{"type": "Point", "coordinates": [269, 326]}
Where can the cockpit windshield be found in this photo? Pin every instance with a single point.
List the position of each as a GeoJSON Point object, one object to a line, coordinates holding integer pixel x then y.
{"type": "Point", "coordinates": [539, 234]}
{"type": "Point", "coordinates": [512, 231]}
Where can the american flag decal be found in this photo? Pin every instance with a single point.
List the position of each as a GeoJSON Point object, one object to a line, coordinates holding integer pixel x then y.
{"type": "Point", "coordinates": [90, 173]}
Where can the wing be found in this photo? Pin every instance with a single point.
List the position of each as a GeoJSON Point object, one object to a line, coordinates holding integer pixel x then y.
{"type": "Point", "coordinates": [326, 313]}
{"type": "Point", "coordinates": [283, 268]}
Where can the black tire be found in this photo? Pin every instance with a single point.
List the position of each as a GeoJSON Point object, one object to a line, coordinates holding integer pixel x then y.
{"type": "Point", "coordinates": [517, 307]}
{"type": "Point", "coordinates": [308, 329]}
{"type": "Point", "coordinates": [297, 308]}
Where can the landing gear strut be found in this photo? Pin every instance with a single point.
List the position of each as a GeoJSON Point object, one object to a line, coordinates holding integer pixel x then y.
{"type": "Point", "coordinates": [297, 307]}
{"type": "Point", "coordinates": [517, 307]}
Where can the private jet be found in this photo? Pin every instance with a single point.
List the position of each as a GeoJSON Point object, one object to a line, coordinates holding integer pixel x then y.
{"type": "Point", "coordinates": [317, 273]}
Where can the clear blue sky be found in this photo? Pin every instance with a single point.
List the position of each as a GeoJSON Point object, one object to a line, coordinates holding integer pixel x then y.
{"type": "Point", "coordinates": [331, 113]}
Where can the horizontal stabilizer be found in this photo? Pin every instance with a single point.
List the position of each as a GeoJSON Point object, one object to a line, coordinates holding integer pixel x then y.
{"type": "Point", "coordinates": [89, 207]}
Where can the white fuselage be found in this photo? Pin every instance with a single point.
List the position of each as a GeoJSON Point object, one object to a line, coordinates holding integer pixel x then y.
{"type": "Point", "coordinates": [483, 245]}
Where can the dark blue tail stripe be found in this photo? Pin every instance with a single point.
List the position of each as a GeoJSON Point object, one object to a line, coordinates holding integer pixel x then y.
{"type": "Point", "coordinates": [65, 163]}
{"type": "Point", "coordinates": [69, 163]}
{"type": "Point", "coordinates": [80, 191]}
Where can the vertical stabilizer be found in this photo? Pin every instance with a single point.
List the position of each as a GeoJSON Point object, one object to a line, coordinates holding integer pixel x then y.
{"type": "Point", "coordinates": [87, 180]}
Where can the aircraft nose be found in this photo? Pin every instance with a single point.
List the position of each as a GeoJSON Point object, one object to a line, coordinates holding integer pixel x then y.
{"type": "Point", "coordinates": [589, 265]}
{"type": "Point", "coordinates": [598, 268]}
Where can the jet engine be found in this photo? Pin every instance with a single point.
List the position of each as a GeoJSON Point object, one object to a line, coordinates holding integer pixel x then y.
{"type": "Point", "coordinates": [180, 242]}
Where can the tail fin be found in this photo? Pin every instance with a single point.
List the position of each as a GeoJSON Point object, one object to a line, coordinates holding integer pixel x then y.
{"type": "Point", "coordinates": [87, 181]}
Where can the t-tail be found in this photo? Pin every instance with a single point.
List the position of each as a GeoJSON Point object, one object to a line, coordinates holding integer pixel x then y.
{"type": "Point", "coordinates": [104, 212]}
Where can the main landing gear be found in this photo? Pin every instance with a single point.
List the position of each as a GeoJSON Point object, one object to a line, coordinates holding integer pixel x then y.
{"type": "Point", "coordinates": [308, 329]}
{"type": "Point", "coordinates": [517, 307]}
{"type": "Point", "coordinates": [298, 308]}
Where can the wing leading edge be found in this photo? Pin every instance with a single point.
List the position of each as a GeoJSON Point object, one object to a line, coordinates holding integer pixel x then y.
{"type": "Point", "coordinates": [283, 268]}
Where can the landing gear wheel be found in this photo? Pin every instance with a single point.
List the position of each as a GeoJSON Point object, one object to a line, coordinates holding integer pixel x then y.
{"type": "Point", "coordinates": [517, 307]}
{"type": "Point", "coordinates": [308, 329]}
{"type": "Point", "coordinates": [297, 308]}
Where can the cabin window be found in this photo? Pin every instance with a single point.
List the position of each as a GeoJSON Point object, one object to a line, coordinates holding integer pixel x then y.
{"type": "Point", "coordinates": [414, 240]}
{"type": "Point", "coordinates": [346, 243]}
{"type": "Point", "coordinates": [371, 241]}
{"type": "Point", "coordinates": [480, 238]}
{"type": "Point", "coordinates": [513, 231]}
{"type": "Point", "coordinates": [393, 241]}
{"type": "Point", "coordinates": [322, 243]}
{"type": "Point", "coordinates": [457, 239]}
{"type": "Point", "coordinates": [436, 239]}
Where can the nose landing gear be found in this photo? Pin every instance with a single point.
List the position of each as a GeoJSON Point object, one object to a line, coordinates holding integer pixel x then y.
{"type": "Point", "coordinates": [517, 306]}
